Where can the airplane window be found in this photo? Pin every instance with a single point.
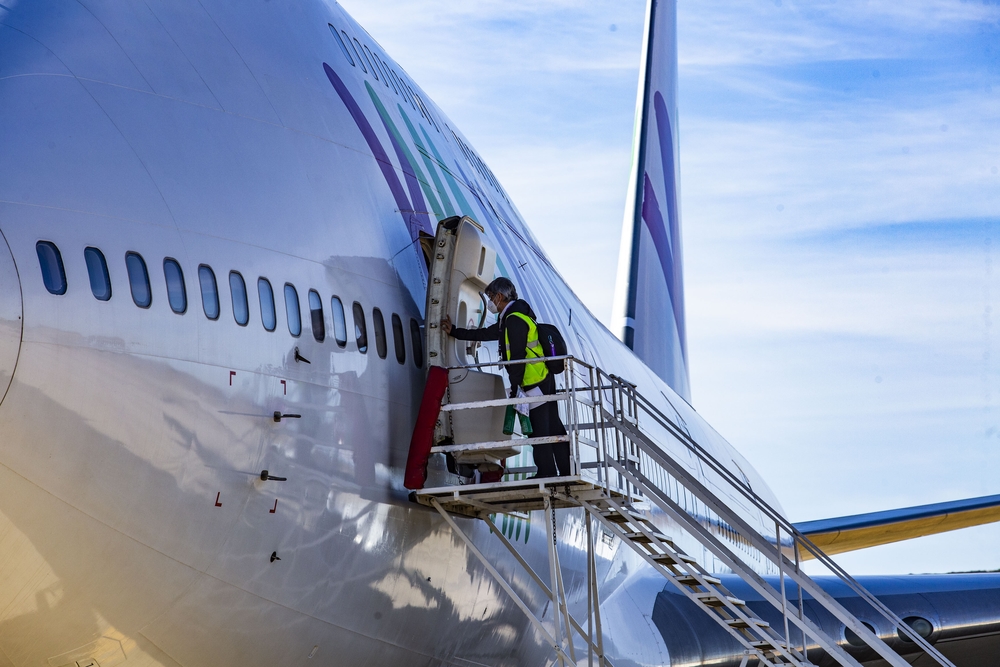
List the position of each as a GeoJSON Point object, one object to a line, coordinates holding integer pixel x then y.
{"type": "Point", "coordinates": [416, 100]}
{"type": "Point", "coordinates": [417, 339]}
{"type": "Point", "coordinates": [372, 62]}
{"type": "Point", "coordinates": [292, 310]}
{"type": "Point", "coordinates": [97, 267]}
{"type": "Point", "coordinates": [430, 117]}
{"type": "Point", "coordinates": [176, 294]}
{"type": "Point", "coordinates": [339, 321]}
{"type": "Point", "coordinates": [53, 272]}
{"type": "Point", "coordinates": [421, 108]}
{"type": "Point", "coordinates": [356, 52]}
{"type": "Point", "coordinates": [342, 47]}
{"type": "Point", "coordinates": [360, 328]}
{"type": "Point", "coordinates": [379, 325]}
{"type": "Point", "coordinates": [316, 315]}
{"type": "Point", "coordinates": [407, 93]}
{"type": "Point", "coordinates": [385, 73]}
{"type": "Point", "coordinates": [266, 294]}
{"type": "Point", "coordinates": [138, 279]}
{"type": "Point", "coordinates": [397, 339]}
{"type": "Point", "coordinates": [238, 290]}
{"type": "Point", "coordinates": [209, 292]}
{"type": "Point", "coordinates": [398, 83]}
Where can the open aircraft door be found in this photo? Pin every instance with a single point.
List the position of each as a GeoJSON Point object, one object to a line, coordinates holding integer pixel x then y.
{"type": "Point", "coordinates": [462, 264]}
{"type": "Point", "coordinates": [10, 317]}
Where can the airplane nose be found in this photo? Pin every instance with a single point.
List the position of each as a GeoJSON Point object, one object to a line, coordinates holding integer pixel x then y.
{"type": "Point", "coordinates": [10, 317]}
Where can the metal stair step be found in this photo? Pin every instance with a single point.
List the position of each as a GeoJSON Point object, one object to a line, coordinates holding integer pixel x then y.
{"type": "Point", "coordinates": [713, 600]}
{"type": "Point", "coordinates": [623, 474]}
{"type": "Point", "coordinates": [615, 516]}
{"type": "Point", "coordinates": [740, 623]}
{"type": "Point", "coordinates": [689, 580]}
{"type": "Point", "coordinates": [667, 559]}
{"type": "Point", "coordinates": [642, 538]}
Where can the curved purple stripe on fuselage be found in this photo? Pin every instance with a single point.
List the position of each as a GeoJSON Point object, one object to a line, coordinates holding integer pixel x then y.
{"type": "Point", "coordinates": [675, 275]}
{"type": "Point", "coordinates": [653, 218]}
{"type": "Point", "coordinates": [388, 172]}
{"type": "Point", "coordinates": [419, 211]}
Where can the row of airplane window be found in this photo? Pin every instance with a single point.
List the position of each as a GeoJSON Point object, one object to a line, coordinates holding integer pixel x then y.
{"type": "Point", "coordinates": [377, 65]}
{"type": "Point", "coordinates": [54, 277]}
{"type": "Point", "coordinates": [357, 54]}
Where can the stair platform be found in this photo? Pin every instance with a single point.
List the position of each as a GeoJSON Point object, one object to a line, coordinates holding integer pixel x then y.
{"type": "Point", "coordinates": [508, 497]}
{"type": "Point", "coordinates": [623, 471]}
{"type": "Point", "coordinates": [495, 451]}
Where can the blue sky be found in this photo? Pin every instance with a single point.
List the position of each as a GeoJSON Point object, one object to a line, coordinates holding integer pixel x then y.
{"type": "Point", "coordinates": [840, 203]}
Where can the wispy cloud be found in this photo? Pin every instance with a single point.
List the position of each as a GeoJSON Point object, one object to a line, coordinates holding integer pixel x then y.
{"type": "Point", "coordinates": [726, 33]}
{"type": "Point", "coordinates": [843, 165]}
{"type": "Point", "coordinates": [842, 203]}
{"type": "Point", "coordinates": [840, 210]}
{"type": "Point", "coordinates": [546, 93]}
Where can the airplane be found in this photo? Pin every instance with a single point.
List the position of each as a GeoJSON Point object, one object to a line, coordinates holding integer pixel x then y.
{"type": "Point", "coordinates": [214, 341]}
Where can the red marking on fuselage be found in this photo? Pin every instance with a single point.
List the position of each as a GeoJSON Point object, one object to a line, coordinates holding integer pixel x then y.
{"type": "Point", "coordinates": [217, 496]}
{"type": "Point", "coordinates": [275, 508]}
{"type": "Point", "coordinates": [284, 387]}
{"type": "Point", "coordinates": [232, 374]}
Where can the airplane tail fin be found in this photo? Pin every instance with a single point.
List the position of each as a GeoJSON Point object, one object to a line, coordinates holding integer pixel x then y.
{"type": "Point", "coordinates": [649, 295]}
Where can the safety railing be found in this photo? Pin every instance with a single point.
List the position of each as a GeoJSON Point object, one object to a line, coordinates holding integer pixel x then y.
{"type": "Point", "coordinates": [631, 423]}
{"type": "Point", "coordinates": [578, 398]}
{"type": "Point", "coordinates": [624, 446]}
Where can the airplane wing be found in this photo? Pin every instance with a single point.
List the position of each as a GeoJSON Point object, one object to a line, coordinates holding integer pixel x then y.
{"type": "Point", "coordinates": [849, 533]}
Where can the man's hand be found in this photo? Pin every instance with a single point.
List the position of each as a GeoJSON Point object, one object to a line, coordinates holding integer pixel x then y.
{"type": "Point", "coordinates": [446, 324]}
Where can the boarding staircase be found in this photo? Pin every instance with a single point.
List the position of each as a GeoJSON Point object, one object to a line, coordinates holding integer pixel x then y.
{"type": "Point", "coordinates": [627, 458]}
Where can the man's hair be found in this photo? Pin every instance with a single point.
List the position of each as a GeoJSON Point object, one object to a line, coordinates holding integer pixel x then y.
{"type": "Point", "coordinates": [503, 287]}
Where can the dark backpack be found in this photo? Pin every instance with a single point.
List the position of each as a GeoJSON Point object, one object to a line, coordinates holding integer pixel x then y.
{"type": "Point", "coordinates": [553, 345]}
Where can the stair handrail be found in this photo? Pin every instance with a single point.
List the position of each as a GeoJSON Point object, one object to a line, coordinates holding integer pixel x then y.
{"type": "Point", "coordinates": [742, 487]}
{"type": "Point", "coordinates": [515, 362]}
{"type": "Point", "coordinates": [629, 402]}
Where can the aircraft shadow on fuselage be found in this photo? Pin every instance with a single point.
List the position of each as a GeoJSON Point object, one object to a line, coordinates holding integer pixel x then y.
{"type": "Point", "coordinates": [323, 513]}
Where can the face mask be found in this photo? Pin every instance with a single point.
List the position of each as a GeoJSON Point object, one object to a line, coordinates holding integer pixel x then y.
{"type": "Point", "coordinates": [490, 306]}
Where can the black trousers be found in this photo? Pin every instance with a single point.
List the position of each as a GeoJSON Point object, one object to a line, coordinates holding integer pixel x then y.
{"type": "Point", "coordinates": [551, 460]}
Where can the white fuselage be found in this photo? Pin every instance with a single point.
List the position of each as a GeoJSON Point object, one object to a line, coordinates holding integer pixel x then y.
{"type": "Point", "coordinates": [134, 526]}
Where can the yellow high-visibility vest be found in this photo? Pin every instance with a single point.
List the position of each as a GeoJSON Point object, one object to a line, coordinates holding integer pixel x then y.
{"type": "Point", "coordinates": [533, 372]}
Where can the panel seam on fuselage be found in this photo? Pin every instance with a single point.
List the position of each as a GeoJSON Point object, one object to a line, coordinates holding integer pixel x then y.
{"type": "Point", "coordinates": [204, 573]}
{"type": "Point", "coordinates": [212, 365]}
{"type": "Point", "coordinates": [184, 230]}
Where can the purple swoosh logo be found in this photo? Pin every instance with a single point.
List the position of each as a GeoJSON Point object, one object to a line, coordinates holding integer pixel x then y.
{"type": "Point", "coordinates": [664, 241]}
{"type": "Point", "coordinates": [381, 157]}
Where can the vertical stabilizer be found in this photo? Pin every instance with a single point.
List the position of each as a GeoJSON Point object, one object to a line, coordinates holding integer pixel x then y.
{"type": "Point", "coordinates": [649, 296]}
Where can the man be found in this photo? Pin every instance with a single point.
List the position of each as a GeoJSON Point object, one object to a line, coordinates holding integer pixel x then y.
{"type": "Point", "coordinates": [517, 334]}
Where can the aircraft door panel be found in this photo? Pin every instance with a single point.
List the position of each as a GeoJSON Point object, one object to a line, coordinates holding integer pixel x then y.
{"type": "Point", "coordinates": [10, 317]}
{"type": "Point", "coordinates": [462, 265]}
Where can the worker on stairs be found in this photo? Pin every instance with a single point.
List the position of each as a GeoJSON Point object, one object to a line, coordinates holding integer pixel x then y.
{"type": "Point", "coordinates": [517, 333]}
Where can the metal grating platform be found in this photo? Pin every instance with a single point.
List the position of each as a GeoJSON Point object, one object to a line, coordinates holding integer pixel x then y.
{"type": "Point", "coordinates": [516, 496]}
{"type": "Point", "coordinates": [619, 471]}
